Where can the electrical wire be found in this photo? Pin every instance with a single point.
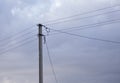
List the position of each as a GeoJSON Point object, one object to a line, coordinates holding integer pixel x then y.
{"type": "Point", "coordinates": [17, 43]}
{"type": "Point", "coordinates": [51, 63]}
{"type": "Point", "coordinates": [73, 28]}
{"type": "Point", "coordinates": [81, 36]}
{"type": "Point", "coordinates": [11, 44]}
{"type": "Point", "coordinates": [16, 35]}
{"type": "Point", "coordinates": [93, 25]}
{"type": "Point", "coordinates": [6, 41]}
{"type": "Point", "coordinates": [84, 27]}
{"type": "Point", "coordinates": [81, 18]}
{"type": "Point", "coordinates": [65, 18]}
{"type": "Point", "coordinates": [88, 26]}
{"type": "Point", "coordinates": [62, 18]}
{"type": "Point", "coordinates": [17, 46]}
{"type": "Point", "coordinates": [92, 11]}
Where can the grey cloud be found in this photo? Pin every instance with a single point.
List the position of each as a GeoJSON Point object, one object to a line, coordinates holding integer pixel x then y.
{"type": "Point", "coordinates": [75, 59]}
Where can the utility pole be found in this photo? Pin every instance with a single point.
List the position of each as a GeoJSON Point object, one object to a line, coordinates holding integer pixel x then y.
{"type": "Point", "coordinates": [40, 54]}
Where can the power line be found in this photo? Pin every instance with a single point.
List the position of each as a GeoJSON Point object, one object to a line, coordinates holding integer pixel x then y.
{"type": "Point", "coordinates": [6, 41]}
{"type": "Point", "coordinates": [62, 18]}
{"type": "Point", "coordinates": [51, 63]}
{"type": "Point", "coordinates": [80, 28]}
{"type": "Point", "coordinates": [84, 27]}
{"type": "Point", "coordinates": [72, 28]}
{"type": "Point", "coordinates": [83, 13]}
{"type": "Point", "coordinates": [18, 44]}
{"type": "Point", "coordinates": [65, 18]}
{"type": "Point", "coordinates": [9, 45]}
{"type": "Point", "coordinates": [81, 18]}
{"type": "Point", "coordinates": [93, 25]}
{"type": "Point", "coordinates": [92, 38]}
{"type": "Point", "coordinates": [17, 34]}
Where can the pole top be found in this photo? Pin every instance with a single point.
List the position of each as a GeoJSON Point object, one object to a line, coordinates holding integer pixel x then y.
{"type": "Point", "coordinates": [40, 25]}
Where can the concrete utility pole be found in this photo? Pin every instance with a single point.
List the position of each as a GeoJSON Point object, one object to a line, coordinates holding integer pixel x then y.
{"type": "Point", "coordinates": [40, 54]}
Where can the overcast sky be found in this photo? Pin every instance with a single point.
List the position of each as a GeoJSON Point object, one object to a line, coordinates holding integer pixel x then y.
{"type": "Point", "coordinates": [75, 59]}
